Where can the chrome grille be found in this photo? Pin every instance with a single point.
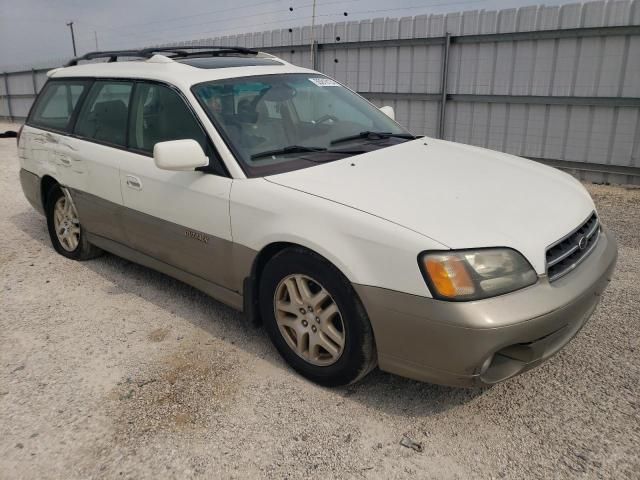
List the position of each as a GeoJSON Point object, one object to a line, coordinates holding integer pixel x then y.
{"type": "Point", "coordinates": [565, 255]}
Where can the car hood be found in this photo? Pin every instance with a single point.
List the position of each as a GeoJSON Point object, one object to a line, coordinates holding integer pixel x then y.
{"type": "Point", "coordinates": [459, 195]}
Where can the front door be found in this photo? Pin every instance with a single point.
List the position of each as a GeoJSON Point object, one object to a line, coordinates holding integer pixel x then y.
{"type": "Point", "coordinates": [179, 218]}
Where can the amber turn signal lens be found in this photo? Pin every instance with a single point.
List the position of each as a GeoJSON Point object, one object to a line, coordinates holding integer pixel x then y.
{"type": "Point", "coordinates": [467, 275]}
{"type": "Point", "coordinates": [449, 276]}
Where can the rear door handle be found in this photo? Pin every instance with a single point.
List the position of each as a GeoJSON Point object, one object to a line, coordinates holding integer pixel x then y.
{"type": "Point", "coordinates": [134, 182]}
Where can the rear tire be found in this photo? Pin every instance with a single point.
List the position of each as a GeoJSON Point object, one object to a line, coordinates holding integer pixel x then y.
{"type": "Point", "coordinates": [65, 231]}
{"type": "Point", "coordinates": [315, 318]}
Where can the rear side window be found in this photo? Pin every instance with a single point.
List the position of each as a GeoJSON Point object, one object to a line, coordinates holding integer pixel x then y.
{"type": "Point", "coordinates": [104, 113]}
{"type": "Point", "coordinates": [56, 104]}
{"type": "Point", "coordinates": [159, 115]}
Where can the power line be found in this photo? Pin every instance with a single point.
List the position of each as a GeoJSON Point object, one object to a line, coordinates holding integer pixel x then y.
{"type": "Point", "coordinates": [201, 14]}
{"type": "Point", "coordinates": [145, 38]}
{"type": "Point", "coordinates": [102, 28]}
{"type": "Point", "coordinates": [220, 20]}
{"type": "Point", "coordinates": [384, 10]}
{"type": "Point", "coordinates": [244, 28]}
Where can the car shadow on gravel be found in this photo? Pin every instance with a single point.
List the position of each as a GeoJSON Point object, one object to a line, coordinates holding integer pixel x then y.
{"type": "Point", "coordinates": [380, 390]}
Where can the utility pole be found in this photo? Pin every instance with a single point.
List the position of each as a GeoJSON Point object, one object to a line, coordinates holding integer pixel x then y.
{"type": "Point", "coordinates": [313, 39]}
{"type": "Point", "coordinates": [95, 34]}
{"type": "Point", "coordinates": [73, 38]}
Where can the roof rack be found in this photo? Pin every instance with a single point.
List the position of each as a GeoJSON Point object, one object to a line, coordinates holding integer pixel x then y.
{"type": "Point", "coordinates": [171, 52]}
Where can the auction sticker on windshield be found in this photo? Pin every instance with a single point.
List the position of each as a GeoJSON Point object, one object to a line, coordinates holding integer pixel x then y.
{"type": "Point", "coordinates": [324, 82]}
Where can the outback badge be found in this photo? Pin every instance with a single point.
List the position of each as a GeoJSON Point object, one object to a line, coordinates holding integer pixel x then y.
{"type": "Point", "coordinates": [201, 237]}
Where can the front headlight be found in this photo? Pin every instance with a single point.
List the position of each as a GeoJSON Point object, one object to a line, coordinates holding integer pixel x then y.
{"type": "Point", "coordinates": [475, 274]}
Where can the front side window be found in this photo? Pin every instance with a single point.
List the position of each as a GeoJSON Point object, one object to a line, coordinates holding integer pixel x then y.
{"type": "Point", "coordinates": [103, 116]}
{"type": "Point", "coordinates": [56, 104]}
{"type": "Point", "coordinates": [159, 115]}
{"type": "Point", "coordinates": [278, 123]}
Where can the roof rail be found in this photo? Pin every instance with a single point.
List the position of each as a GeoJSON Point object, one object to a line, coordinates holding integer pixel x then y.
{"type": "Point", "coordinates": [171, 52]}
{"type": "Point", "coordinates": [112, 55]}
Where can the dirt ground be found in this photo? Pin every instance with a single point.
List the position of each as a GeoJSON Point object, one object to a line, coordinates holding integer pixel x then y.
{"type": "Point", "coordinates": [111, 370]}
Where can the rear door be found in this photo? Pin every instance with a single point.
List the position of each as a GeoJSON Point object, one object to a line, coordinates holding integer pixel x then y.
{"type": "Point", "coordinates": [179, 218]}
{"type": "Point", "coordinates": [95, 154]}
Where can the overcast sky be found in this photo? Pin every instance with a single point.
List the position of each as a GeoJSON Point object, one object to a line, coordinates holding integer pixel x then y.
{"type": "Point", "coordinates": [33, 32]}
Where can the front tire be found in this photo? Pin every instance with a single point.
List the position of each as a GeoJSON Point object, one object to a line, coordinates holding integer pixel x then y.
{"type": "Point", "coordinates": [315, 319]}
{"type": "Point", "coordinates": [65, 230]}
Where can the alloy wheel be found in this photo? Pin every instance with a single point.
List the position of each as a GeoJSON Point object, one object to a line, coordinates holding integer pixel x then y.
{"type": "Point", "coordinates": [66, 223]}
{"type": "Point", "coordinates": [309, 320]}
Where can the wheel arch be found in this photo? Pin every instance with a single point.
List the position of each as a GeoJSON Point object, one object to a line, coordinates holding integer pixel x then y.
{"type": "Point", "coordinates": [252, 282]}
{"type": "Point", "coordinates": [46, 183]}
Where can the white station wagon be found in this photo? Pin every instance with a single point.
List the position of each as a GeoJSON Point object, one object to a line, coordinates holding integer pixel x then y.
{"type": "Point", "coordinates": [288, 196]}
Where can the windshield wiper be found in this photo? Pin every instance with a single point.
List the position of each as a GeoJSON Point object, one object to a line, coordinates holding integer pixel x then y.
{"type": "Point", "coordinates": [287, 150]}
{"type": "Point", "coordinates": [348, 153]}
{"type": "Point", "coordinates": [373, 136]}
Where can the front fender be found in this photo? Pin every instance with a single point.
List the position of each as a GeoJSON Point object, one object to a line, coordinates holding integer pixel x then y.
{"type": "Point", "coordinates": [368, 250]}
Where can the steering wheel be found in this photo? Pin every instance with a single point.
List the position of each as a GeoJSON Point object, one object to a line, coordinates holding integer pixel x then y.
{"type": "Point", "coordinates": [325, 118]}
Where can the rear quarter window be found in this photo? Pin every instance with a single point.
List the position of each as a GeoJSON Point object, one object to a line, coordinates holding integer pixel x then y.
{"type": "Point", "coordinates": [57, 103]}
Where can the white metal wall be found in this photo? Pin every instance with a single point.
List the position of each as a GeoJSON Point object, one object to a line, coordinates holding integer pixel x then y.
{"type": "Point", "coordinates": [598, 66]}
{"type": "Point", "coordinates": [21, 88]}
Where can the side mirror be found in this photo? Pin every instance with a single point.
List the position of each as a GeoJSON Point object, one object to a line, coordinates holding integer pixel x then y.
{"type": "Point", "coordinates": [388, 111]}
{"type": "Point", "coordinates": [179, 155]}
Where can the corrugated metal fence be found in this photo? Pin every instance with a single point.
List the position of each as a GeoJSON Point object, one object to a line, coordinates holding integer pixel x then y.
{"type": "Point", "coordinates": [558, 84]}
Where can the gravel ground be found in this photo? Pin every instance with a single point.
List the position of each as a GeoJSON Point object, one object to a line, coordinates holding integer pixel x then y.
{"type": "Point", "coordinates": [108, 369]}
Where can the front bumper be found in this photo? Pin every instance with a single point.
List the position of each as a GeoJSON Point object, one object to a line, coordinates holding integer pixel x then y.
{"type": "Point", "coordinates": [486, 341]}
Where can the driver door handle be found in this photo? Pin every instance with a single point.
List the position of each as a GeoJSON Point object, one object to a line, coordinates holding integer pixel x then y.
{"type": "Point", "coordinates": [134, 182]}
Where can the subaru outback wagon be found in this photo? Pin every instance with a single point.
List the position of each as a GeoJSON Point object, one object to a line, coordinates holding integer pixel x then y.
{"type": "Point", "coordinates": [286, 195]}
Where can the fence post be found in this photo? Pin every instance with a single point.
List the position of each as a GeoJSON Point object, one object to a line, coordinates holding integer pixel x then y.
{"type": "Point", "coordinates": [6, 91]}
{"type": "Point", "coordinates": [443, 83]}
{"type": "Point", "coordinates": [314, 55]}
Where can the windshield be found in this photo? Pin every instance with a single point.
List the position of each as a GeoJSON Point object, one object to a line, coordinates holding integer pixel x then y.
{"type": "Point", "coordinates": [278, 123]}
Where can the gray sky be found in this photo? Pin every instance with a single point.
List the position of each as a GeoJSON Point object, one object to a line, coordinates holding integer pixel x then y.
{"type": "Point", "coordinates": [33, 32]}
